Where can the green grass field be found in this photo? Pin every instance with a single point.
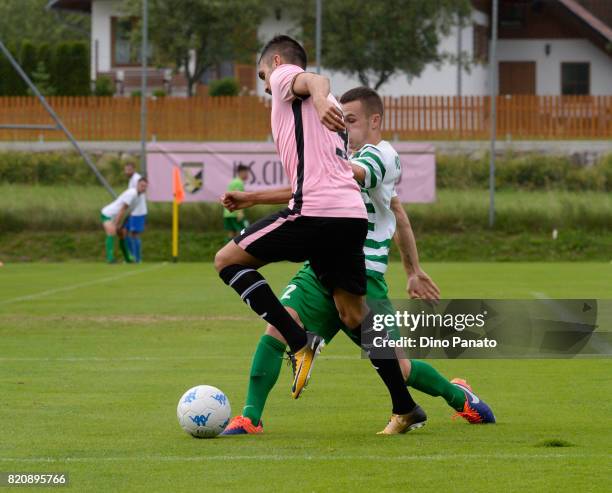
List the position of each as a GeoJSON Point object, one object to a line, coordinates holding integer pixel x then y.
{"type": "Point", "coordinates": [93, 359]}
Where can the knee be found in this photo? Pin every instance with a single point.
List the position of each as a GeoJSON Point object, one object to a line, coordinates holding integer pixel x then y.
{"type": "Point", "coordinates": [405, 367]}
{"type": "Point", "coordinates": [350, 318]}
{"type": "Point", "coordinates": [221, 260]}
{"type": "Point", "coordinates": [273, 332]}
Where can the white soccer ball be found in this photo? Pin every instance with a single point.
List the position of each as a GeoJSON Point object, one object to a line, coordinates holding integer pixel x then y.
{"type": "Point", "coordinates": [203, 411]}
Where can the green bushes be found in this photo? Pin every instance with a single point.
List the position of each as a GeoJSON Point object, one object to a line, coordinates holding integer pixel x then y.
{"type": "Point", "coordinates": [71, 71]}
{"type": "Point", "coordinates": [104, 86]}
{"type": "Point", "coordinates": [55, 168]}
{"type": "Point", "coordinates": [227, 86]}
{"type": "Point", "coordinates": [527, 172]}
{"type": "Point", "coordinates": [63, 69]}
{"type": "Point", "coordinates": [28, 57]}
{"type": "Point", "coordinates": [10, 82]}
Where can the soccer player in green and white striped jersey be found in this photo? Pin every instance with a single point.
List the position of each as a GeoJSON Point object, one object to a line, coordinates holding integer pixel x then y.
{"type": "Point", "coordinates": [376, 167]}
{"type": "Point", "coordinates": [379, 168]}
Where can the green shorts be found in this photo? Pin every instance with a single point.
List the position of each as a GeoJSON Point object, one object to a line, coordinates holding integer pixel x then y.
{"type": "Point", "coordinates": [104, 219]}
{"type": "Point", "coordinates": [233, 224]}
{"type": "Point", "coordinates": [316, 308]}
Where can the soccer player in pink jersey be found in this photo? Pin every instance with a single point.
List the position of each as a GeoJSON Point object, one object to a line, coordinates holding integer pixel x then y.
{"type": "Point", "coordinates": [325, 221]}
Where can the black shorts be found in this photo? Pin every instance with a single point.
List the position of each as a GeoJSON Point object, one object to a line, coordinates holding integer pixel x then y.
{"type": "Point", "coordinates": [333, 245]}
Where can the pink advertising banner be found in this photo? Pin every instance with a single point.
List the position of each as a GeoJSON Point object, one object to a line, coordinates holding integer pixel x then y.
{"type": "Point", "coordinates": [208, 167]}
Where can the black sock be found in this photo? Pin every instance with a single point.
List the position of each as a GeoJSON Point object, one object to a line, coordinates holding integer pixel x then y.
{"type": "Point", "coordinates": [386, 364]}
{"type": "Point", "coordinates": [255, 292]}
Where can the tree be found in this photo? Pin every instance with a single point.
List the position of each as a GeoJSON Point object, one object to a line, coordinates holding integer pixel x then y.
{"type": "Point", "coordinates": [29, 19]}
{"type": "Point", "coordinates": [59, 73]}
{"type": "Point", "coordinates": [213, 30]}
{"type": "Point", "coordinates": [42, 80]}
{"type": "Point", "coordinates": [70, 72]}
{"type": "Point", "coordinates": [376, 40]}
{"type": "Point", "coordinates": [79, 69]}
{"type": "Point", "coordinates": [28, 57]}
{"type": "Point", "coordinates": [12, 84]}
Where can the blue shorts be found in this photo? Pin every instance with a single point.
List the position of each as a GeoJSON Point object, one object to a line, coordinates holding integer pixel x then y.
{"type": "Point", "coordinates": [136, 224]}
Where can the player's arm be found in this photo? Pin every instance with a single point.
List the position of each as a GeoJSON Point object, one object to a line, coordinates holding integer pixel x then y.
{"type": "Point", "coordinates": [358, 173]}
{"type": "Point", "coordinates": [368, 169]}
{"type": "Point", "coordinates": [420, 285]}
{"type": "Point", "coordinates": [234, 201]}
{"type": "Point", "coordinates": [314, 85]}
{"type": "Point", "coordinates": [120, 216]}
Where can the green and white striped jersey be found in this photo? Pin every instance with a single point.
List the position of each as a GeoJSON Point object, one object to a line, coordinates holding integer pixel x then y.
{"type": "Point", "coordinates": [382, 169]}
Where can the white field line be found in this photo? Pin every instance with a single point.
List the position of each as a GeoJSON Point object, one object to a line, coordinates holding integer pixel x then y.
{"type": "Point", "coordinates": [282, 458]}
{"type": "Point", "coordinates": [49, 292]}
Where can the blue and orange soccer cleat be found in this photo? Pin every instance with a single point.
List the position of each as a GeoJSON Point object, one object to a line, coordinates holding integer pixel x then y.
{"type": "Point", "coordinates": [241, 425]}
{"type": "Point", "coordinates": [475, 409]}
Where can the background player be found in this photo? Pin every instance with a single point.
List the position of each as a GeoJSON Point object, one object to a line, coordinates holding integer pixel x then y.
{"type": "Point", "coordinates": [135, 223]}
{"type": "Point", "coordinates": [309, 302]}
{"type": "Point", "coordinates": [234, 221]}
{"type": "Point", "coordinates": [113, 217]}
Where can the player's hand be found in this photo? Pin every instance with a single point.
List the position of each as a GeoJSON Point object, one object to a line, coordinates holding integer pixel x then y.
{"type": "Point", "coordinates": [234, 201]}
{"type": "Point", "coordinates": [421, 286]}
{"type": "Point", "coordinates": [329, 114]}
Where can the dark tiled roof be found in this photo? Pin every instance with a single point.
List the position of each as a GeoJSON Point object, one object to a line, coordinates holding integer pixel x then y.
{"type": "Point", "coordinates": [602, 9]}
{"type": "Point", "coordinates": [75, 5]}
{"type": "Point", "coordinates": [587, 17]}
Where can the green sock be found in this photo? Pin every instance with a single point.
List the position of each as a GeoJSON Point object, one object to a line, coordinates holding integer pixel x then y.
{"type": "Point", "coordinates": [265, 370]}
{"type": "Point", "coordinates": [125, 251]}
{"type": "Point", "coordinates": [110, 247]}
{"type": "Point", "coordinates": [426, 378]}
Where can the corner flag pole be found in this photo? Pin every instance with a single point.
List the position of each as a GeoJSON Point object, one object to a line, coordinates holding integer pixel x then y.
{"type": "Point", "coordinates": [175, 229]}
{"type": "Point", "coordinates": [178, 194]}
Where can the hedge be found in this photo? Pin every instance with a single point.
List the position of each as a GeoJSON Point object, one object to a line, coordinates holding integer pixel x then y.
{"type": "Point", "coordinates": [527, 172]}
{"type": "Point", "coordinates": [56, 168]}
{"type": "Point", "coordinates": [66, 65]}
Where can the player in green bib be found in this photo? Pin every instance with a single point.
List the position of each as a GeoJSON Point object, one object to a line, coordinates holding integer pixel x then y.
{"type": "Point", "coordinates": [234, 221]}
{"type": "Point", "coordinates": [376, 167]}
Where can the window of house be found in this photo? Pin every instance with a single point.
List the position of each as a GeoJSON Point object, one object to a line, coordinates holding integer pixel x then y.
{"type": "Point", "coordinates": [125, 51]}
{"type": "Point", "coordinates": [481, 43]}
{"type": "Point", "coordinates": [575, 78]}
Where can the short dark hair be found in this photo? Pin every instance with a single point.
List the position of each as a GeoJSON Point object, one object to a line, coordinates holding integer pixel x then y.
{"type": "Point", "coordinates": [370, 99]}
{"type": "Point", "coordinates": [242, 167]}
{"type": "Point", "coordinates": [288, 48]}
{"type": "Point", "coordinates": [143, 178]}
